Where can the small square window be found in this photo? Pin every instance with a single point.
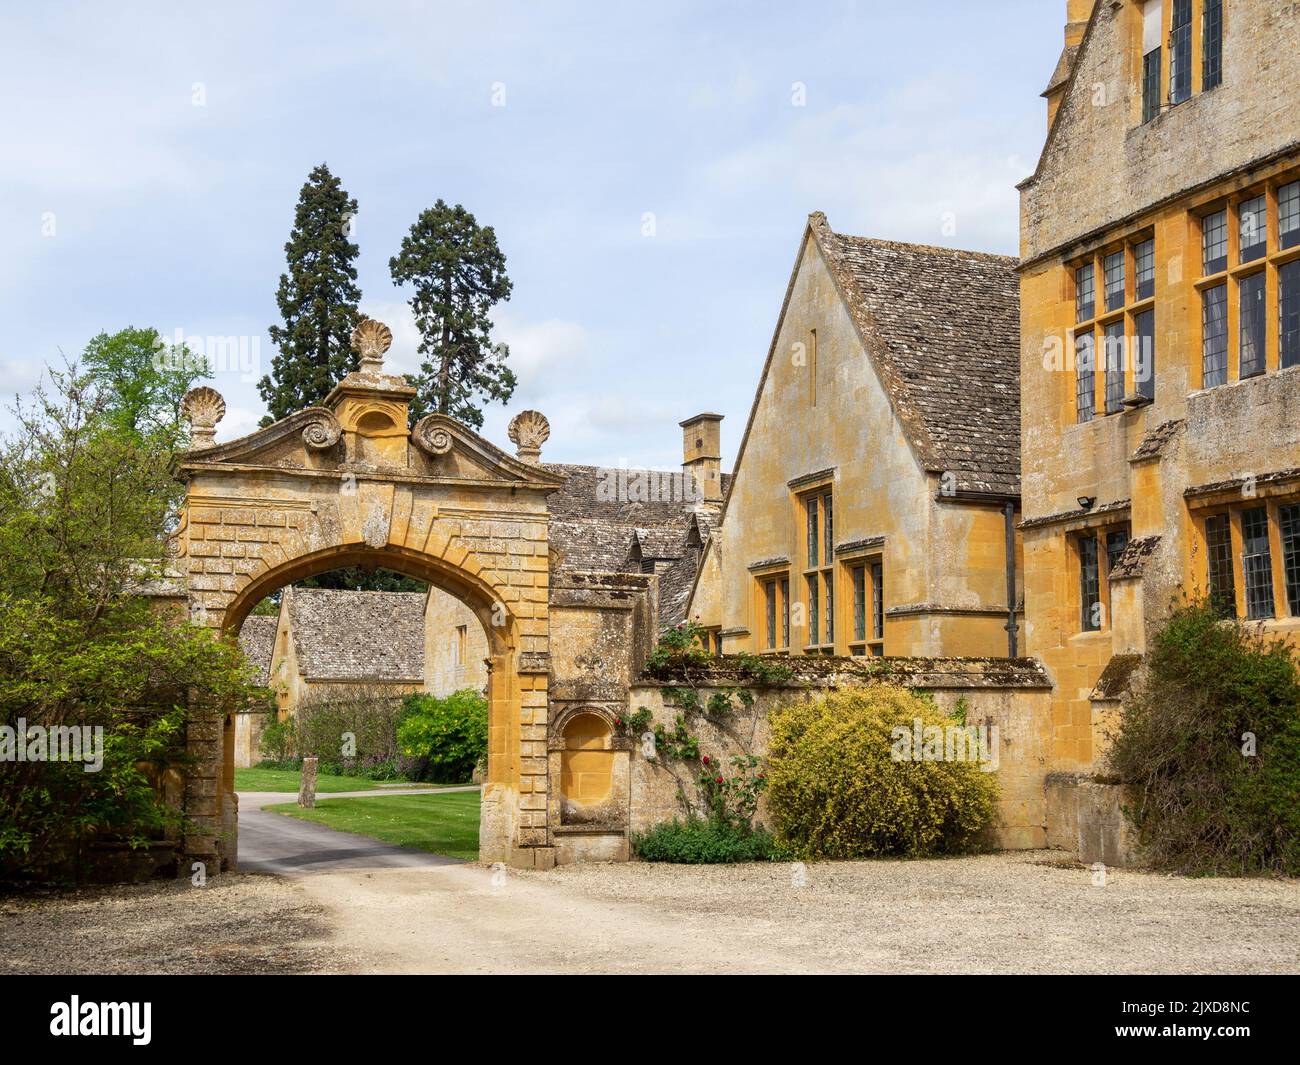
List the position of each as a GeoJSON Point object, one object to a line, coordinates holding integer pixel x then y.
{"type": "Point", "coordinates": [1214, 242]}
{"type": "Point", "coordinates": [1085, 293]}
{"type": "Point", "coordinates": [1288, 214]}
{"type": "Point", "coordinates": [1085, 382]}
{"type": "Point", "coordinates": [1256, 563]}
{"type": "Point", "coordinates": [1252, 293]}
{"type": "Point", "coordinates": [1252, 217]}
{"type": "Point", "coordinates": [1214, 336]}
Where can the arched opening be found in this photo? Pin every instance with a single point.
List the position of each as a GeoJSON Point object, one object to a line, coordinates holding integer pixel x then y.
{"type": "Point", "coordinates": [587, 770]}
{"type": "Point", "coordinates": [483, 625]}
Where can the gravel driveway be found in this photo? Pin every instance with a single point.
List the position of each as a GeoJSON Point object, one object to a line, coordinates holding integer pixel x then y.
{"type": "Point", "coordinates": [1024, 912]}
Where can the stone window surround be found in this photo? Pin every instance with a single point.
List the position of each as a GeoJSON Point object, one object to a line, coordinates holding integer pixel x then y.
{"type": "Point", "coordinates": [1196, 71]}
{"type": "Point", "coordinates": [1099, 532]}
{"type": "Point", "coordinates": [1272, 497]}
{"type": "Point", "coordinates": [1104, 316]}
{"type": "Point", "coordinates": [1269, 264]}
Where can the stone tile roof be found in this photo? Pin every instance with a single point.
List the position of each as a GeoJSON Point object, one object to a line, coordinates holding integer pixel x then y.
{"type": "Point", "coordinates": [1133, 560]}
{"type": "Point", "coordinates": [675, 587]}
{"type": "Point", "coordinates": [358, 636]}
{"type": "Point", "coordinates": [257, 641]}
{"type": "Point", "coordinates": [595, 528]}
{"type": "Point", "coordinates": [660, 542]}
{"type": "Point", "coordinates": [943, 328]}
{"type": "Point", "coordinates": [1153, 444]}
{"type": "Point", "coordinates": [1117, 677]}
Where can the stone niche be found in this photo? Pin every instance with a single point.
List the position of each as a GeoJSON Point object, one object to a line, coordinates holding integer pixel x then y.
{"type": "Point", "coordinates": [591, 774]}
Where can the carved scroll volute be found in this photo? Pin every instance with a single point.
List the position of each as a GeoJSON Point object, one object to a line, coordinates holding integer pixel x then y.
{"type": "Point", "coordinates": [322, 430]}
{"type": "Point", "coordinates": [529, 430]}
{"type": "Point", "coordinates": [203, 407]}
{"type": "Point", "coordinates": [431, 435]}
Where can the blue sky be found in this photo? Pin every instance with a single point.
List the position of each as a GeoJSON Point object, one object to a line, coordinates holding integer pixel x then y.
{"type": "Point", "coordinates": [151, 155]}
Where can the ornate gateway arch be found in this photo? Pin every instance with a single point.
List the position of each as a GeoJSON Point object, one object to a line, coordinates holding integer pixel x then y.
{"type": "Point", "coordinates": [346, 483]}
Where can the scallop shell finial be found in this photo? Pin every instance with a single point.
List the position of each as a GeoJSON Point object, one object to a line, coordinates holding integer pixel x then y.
{"type": "Point", "coordinates": [370, 339]}
{"type": "Point", "coordinates": [203, 407]}
{"type": "Point", "coordinates": [529, 430]}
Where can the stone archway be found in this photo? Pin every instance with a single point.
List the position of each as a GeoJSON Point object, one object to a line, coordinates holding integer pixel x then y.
{"type": "Point", "coordinates": [347, 483]}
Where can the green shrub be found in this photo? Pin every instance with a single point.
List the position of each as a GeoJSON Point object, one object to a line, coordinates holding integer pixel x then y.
{"type": "Point", "coordinates": [279, 743]}
{"type": "Point", "coordinates": [699, 842]}
{"type": "Point", "coordinates": [836, 791]}
{"type": "Point", "coordinates": [1201, 801]}
{"type": "Point", "coordinates": [354, 732]}
{"type": "Point", "coordinates": [443, 738]}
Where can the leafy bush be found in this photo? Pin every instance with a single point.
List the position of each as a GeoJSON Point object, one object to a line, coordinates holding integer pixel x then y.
{"type": "Point", "coordinates": [279, 742]}
{"type": "Point", "coordinates": [86, 495]}
{"type": "Point", "coordinates": [1209, 746]}
{"type": "Point", "coordinates": [352, 732]}
{"type": "Point", "coordinates": [444, 738]}
{"type": "Point", "coordinates": [835, 791]}
{"type": "Point", "coordinates": [699, 842]}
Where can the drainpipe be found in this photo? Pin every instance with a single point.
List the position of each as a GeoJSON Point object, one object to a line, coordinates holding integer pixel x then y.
{"type": "Point", "coordinates": [1009, 510]}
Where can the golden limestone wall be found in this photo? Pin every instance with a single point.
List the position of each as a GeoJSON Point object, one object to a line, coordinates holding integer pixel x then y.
{"type": "Point", "coordinates": [1107, 182]}
{"type": "Point", "coordinates": [455, 646]}
{"type": "Point", "coordinates": [347, 484]}
{"type": "Point", "coordinates": [822, 419]}
{"type": "Point", "coordinates": [1011, 701]}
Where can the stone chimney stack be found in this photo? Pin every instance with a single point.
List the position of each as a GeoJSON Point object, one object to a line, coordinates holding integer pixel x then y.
{"type": "Point", "coordinates": [702, 454]}
{"type": "Point", "coordinates": [1077, 14]}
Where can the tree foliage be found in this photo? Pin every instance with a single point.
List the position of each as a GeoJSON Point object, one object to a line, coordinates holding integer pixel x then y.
{"type": "Point", "coordinates": [458, 274]}
{"type": "Point", "coordinates": [447, 737]}
{"type": "Point", "coordinates": [1209, 747]}
{"type": "Point", "coordinates": [317, 297]}
{"type": "Point", "coordinates": [86, 494]}
{"type": "Point", "coordinates": [143, 379]}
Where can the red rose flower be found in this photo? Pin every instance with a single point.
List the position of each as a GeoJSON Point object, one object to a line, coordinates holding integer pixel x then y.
{"type": "Point", "coordinates": [718, 781]}
{"type": "Point", "coordinates": [706, 759]}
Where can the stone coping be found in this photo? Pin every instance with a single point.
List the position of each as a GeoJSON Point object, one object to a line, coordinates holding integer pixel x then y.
{"type": "Point", "coordinates": [830, 671]}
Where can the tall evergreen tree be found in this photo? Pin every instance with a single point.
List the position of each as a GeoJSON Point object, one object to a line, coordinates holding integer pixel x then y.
{"type": "Point", "coordinates": [458, 273]}
{"type": "Point", "coordinates": [318, 300]}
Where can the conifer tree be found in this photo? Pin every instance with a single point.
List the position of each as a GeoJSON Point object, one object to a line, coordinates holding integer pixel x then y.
{"type": "Point", "coordinates": [459, 274]}
{"type": "Point", "coordinates": [318, 299]}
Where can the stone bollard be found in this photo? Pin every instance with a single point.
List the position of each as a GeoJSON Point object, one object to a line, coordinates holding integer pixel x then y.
{"type": "Point", "coordinates": [307, 789]}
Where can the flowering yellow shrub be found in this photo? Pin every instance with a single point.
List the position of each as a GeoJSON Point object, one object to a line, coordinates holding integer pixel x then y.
{"type": "Point", "coordinates": [843, 782]}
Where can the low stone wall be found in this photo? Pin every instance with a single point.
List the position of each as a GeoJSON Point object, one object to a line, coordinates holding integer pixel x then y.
{"type": "Point", "coordinates": [1086, 815]}
{"type": "Point", "coordinates": [1012, 695]}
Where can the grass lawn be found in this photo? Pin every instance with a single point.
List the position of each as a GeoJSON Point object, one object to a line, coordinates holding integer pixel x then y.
{"type": "Point", "coordinates": [439, 824]}
{"type": "Point", "coordinates": [288, 780]}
